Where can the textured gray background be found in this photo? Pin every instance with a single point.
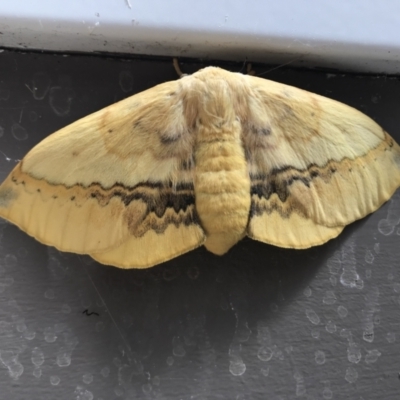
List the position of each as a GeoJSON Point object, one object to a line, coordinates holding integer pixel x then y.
{"type": "Point", "coordinates": [259, 323]}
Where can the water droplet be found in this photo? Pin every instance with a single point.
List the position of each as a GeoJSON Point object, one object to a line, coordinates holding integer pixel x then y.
{"type": "Point", "coordinates": [126, 81]}
{"type": "Point", "coordinates": [105, 371]}
{"type": "Point", "coordinates": [10, 361]}
{"type": "Point", "coordinates": [193, 272]}
{"type": "Point", "coordinates": [368, 335]}
{"type": "Point", "coordinates": [37, 357]}
{"type": "Point", "coordinates": [170, 273]}
{"type": "Point", "coordinates": [243, 333]}
{"type": "Point", "coordinates": [351, 375]}
{"type": "Point", "coordinates": [391, 337]}
{"type": "Point", "coordinates": [315, 333]}
{"type": "Point", "coordinates": [369, 257]}
{"type": "Point", "coordinates": [54, 380]}
{"type": "Point", "coordinates": [55, 268]}
{"type": "Point", "coordinates": [49, 335]}
{"type": "Point", "coordinates": [265, 353]}
{"type": "Point", "coordinates": [60, 100]}
{"type": "Point", "coordinates": [19, 132]}
{"type": "Point", "coordinates": [147, 388]}
{"type": "Point", "coordinates": [21, 327]}
{"type": "Point", "coordinates": [350, 278]}
{"type": "Point", "coordinates": [263, 334]}
{"type": "Point", "coordinates": [300, 390]}
{"type": "Point", "coordinates": [312, 316]}
{"type": "Point", "coordinates": [330, 327]}
{"type": "Point", "coordinates": [83, 394]}
{"type": "Point", "coordinates": [29, 335]}
{"type": "Point", "coordinates": [178, 351]}
{"type": "Point", "coordinates": [385, 228]}
{"type": "Point", "coordinates": [372, 356]}
{"type": "Point", "coordinates": [87, 378]}
{"type": "Point", "coordinates": [63, 357]}
{"type": "Point", "coordinates": [278, 353]}
{"type": "Point", "coordinates": [327, 393]}
{"type": "Point", "coordinates": [334, 264]}
{"type": "Point", "coordinates": [40, 85]}
{"type": "Point", "coordinates": [342, 311]}
{"type": "Point", "coordinates": [353, 353]}
{"type": "Point", "coordinates": [393, 215]}
{"type": "Point", "coordinates": [237, 367]}
{"type": "Point", "coordinates": [320, 357]}
{"type": "Point", "coordinates": [329, 297]}
{"type": "Point", "coordinates": [345, 333]}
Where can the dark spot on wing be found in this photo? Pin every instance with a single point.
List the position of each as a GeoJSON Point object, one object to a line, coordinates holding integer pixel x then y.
{"type": "Point", "coordinates": [264, 131]}
{"type": "Point", "coordinates": [169, 138]}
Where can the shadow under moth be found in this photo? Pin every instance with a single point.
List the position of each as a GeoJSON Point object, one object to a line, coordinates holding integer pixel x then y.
{"type": "Point", "coordinates": [204, 160]}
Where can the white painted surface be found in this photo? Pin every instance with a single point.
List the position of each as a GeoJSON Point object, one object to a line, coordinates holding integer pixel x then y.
{"type": "Point", "coordinates": [358, 35]}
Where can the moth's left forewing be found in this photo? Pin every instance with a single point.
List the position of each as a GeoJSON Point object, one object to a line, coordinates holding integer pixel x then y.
{"type": "Point", "coordinates": [118, 182]}
{"type": "Point", "coordinates": [316, 165]}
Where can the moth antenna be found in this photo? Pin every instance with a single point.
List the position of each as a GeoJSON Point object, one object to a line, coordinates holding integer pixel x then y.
{"type": "Point", "coordinates": [281, 65]}
{"type": "Point", "coordinates": [178, 70]}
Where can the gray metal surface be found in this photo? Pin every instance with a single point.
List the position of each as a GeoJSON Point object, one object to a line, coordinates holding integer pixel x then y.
{"type": "Point", "coordinates": [351, 35]}
{"type": "Point", "coordinates": [257, 323]}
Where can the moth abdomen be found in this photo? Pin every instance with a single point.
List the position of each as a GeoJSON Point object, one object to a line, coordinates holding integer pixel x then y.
{"type": "Point", "coordinates": [222, 187]}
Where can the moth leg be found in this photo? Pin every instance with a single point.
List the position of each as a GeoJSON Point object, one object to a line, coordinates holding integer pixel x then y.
{"type": "Point", "coordinates": [250, 70]}
{"type": "Point", "coordinates": [178, 70]}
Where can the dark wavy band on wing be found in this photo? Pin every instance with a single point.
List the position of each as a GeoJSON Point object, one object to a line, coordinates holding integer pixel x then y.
{"type": "Point", "coordinates": [145, 206]}
{"type": "Point", "coordinates": [279, 180]}
{"type": "Point", "coordinates": [158, 204]}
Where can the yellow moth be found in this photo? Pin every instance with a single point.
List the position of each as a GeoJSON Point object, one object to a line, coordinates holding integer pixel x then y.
{"type": "Point", "coordinates": [204, 160]}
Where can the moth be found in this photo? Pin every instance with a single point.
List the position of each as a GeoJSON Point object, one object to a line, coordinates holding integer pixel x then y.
{"type": "Point", "coordinates": [204, 160]}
